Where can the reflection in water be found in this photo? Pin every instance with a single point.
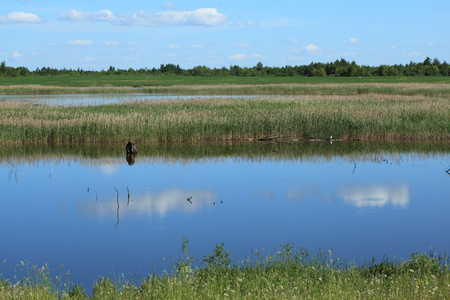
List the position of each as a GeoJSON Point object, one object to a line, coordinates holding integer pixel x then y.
{"type": "Point", "coordinates": [109, 169]}
{"type": "Point", "coordinates": [375, 196]}
{"type": "Point", "coordinates": [275, 192]}
{"type": "Point", "coordinates": [131, 158]}
{"type": "Point", "coordinates": [150, 204]}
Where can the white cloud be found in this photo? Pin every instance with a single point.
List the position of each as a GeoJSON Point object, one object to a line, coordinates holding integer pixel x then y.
{"type": "Point", "coordinates": [74, 15]}
{"type": "Point", "coordinates": [201, 16]}
{"type": "Point", "coordinates": [132, 46]}
{"type": "Point", "coordinates": [349, 54]}
{"type": "Point", "coordinates": [20, 17]}
{"type": "Point", "coordinates": [352, 41]}
{"type": "Point", "coordinates": [103, 15]}
{"type": "Point", "coordinates": [169, 5]}
{"type": "Point", "coordinates": [197, 46]}
{"type": "Point", "coordinates": [312, 48]}
{"type": "Point", "coordinates": [393, 47]}
{"type": "Point", "coordinates": [110, 43]}
{"type": "Point", "coordinates": [237, 56]}
{"type": "Point", "coordinates": [47, 45]}
{"type": "Point", "coordinates": [16, 55]}
{"type": "Point", "coordinates": [173, 46]}
{"type": "Point", "coordinates": [413, 54]}
{"type": "Point", "coordinates": [293, 40]}
{"type": "Point", "coordinates": [80, 43]}
{"type": "Point", "coordinates": [243, 56]}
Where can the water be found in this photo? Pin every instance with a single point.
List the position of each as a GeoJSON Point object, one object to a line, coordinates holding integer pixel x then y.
{"type": "Point", "coordinates": [98, 99]}
{"type": "Point", "coordinates": [70, 205]}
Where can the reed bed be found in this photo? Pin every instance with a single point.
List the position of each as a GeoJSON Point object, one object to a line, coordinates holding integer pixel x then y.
{"type": "Point", "coordinates": [349, 117]}
{"type": "Point", "coordinates": [290, 88]}
{"type": "Point", "coordinates": [287, 273]}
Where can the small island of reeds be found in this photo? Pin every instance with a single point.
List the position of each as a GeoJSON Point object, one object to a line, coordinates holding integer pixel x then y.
{"type": "Point", "coordinates": [370, 111]}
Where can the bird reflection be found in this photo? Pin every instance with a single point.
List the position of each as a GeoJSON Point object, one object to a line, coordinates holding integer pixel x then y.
{"type": "Point", "coordinates": [131, 158]}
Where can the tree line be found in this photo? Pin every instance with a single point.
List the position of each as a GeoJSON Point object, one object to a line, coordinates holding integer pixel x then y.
{"type": "Point", "coordinates": [338, 68]}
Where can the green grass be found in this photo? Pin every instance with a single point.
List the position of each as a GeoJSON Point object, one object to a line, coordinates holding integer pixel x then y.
{"type": "Point", "coordinates": [195, 85]}
{"type": "Point", "coordinates": [170, 80]}
{"type": "Point", "coordinates": [287, 273]}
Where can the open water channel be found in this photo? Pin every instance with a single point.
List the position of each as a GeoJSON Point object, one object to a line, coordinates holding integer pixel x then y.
{"type": "Point", "coordinates": [99, 214]}
{"type": "Point", "coordinates": [99, 99]}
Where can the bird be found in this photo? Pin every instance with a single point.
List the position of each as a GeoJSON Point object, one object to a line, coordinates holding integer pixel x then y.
{"type": "Point", "coordinates": [189, 200]}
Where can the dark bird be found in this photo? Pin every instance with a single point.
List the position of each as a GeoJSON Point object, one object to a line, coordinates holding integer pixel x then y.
{"type": "Point", "coordinates": [189, 200]}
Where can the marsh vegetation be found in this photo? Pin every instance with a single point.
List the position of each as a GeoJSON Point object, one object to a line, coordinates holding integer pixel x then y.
{"type": "Point", "coordinates": [181, 130]}
{"type": "Point", "coordinates": [369, 116]}
{"type": "Point", "coordinates": [287, 273]}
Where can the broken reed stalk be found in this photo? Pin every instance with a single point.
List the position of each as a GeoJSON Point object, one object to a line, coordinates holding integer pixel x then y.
{"type": "Point", "coordinates": [128, 203]}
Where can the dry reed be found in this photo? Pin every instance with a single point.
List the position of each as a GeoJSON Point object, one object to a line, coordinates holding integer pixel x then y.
{"type": "Point", "coordinates": [367, 116]}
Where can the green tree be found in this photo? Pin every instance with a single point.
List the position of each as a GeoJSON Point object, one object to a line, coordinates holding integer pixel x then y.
{"type": "Point", "coordinates": [427, 61]}
{"type": "Point", "coordinates": [259, 67]}
{"type": "Point", "coordinates": [392, 71]}
{"type": "Point", "coordinates": [444, 69]}
{"type": "Point", "coordinates": [3, 67]}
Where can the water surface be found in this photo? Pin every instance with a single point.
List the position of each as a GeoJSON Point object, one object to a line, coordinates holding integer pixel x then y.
{"type": "Point", "coordinates": [98, 99]}
{"type": "Point", "coordinates": [70, 205]}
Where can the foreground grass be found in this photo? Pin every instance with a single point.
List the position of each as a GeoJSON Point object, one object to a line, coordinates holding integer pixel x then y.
{"type": "Point", "coordinates": [285, 274]}
{"type": "Point", "coordinates": [366, 116]}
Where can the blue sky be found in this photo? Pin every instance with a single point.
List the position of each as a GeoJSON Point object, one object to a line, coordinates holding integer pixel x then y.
{"type": "Point", "coordinates": [94, 35]}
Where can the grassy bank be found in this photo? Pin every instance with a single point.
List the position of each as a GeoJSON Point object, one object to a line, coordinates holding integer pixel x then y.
{"type": "Point", "coordinates": [270, 88]}
{"type": "Point", "coordinates": [288, 273]}
{"type": "Point", "coordinates": [92, 84]}
{"type": "Point", "coordinates": [366, 116]}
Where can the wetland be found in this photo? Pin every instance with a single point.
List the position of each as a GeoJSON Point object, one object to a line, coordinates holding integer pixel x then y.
{"type": "Point", "coordinates": [352, 171]}
{"type": "Point", "coordinates": [89, 209]}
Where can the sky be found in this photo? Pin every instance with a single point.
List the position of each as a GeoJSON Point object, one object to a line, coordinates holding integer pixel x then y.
{"type": "Point", "coordinates": [97, 34]}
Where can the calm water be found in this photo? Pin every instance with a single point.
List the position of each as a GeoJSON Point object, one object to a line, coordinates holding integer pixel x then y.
{"type": "Point", "coordinates": [97, 99]}
{"type": "Point", "coordinates": [71, 206]}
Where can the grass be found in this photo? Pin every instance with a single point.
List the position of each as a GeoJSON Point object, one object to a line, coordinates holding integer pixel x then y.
{"type": "Point", "coordinates": [88, 84]}
{"type": "Point", "coordinates": [366, 116]}
{"type": "Point", "coordinates": [287, 273]}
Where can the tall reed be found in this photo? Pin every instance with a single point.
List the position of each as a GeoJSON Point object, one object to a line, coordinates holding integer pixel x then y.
{"type": "Point", "coordinates": [368, 117]}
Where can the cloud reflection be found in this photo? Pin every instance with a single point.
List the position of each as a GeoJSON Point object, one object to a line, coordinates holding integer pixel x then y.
{"type": "Point", "coordinates": [375, 196]}
{"type": "Point", "coordinates": [151, 204]}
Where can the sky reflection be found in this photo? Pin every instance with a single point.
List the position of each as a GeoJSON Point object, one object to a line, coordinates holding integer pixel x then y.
{"type": "Point", "coordinates": [375, 196]}
{"type": "Point", "coordinates": [75, 210]}
{"type": "Point", "coordinates": [149, 204]}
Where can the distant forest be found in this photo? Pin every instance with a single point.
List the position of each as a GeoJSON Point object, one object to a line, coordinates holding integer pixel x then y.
{"type": "Point", "coordinates": [339, 68]}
